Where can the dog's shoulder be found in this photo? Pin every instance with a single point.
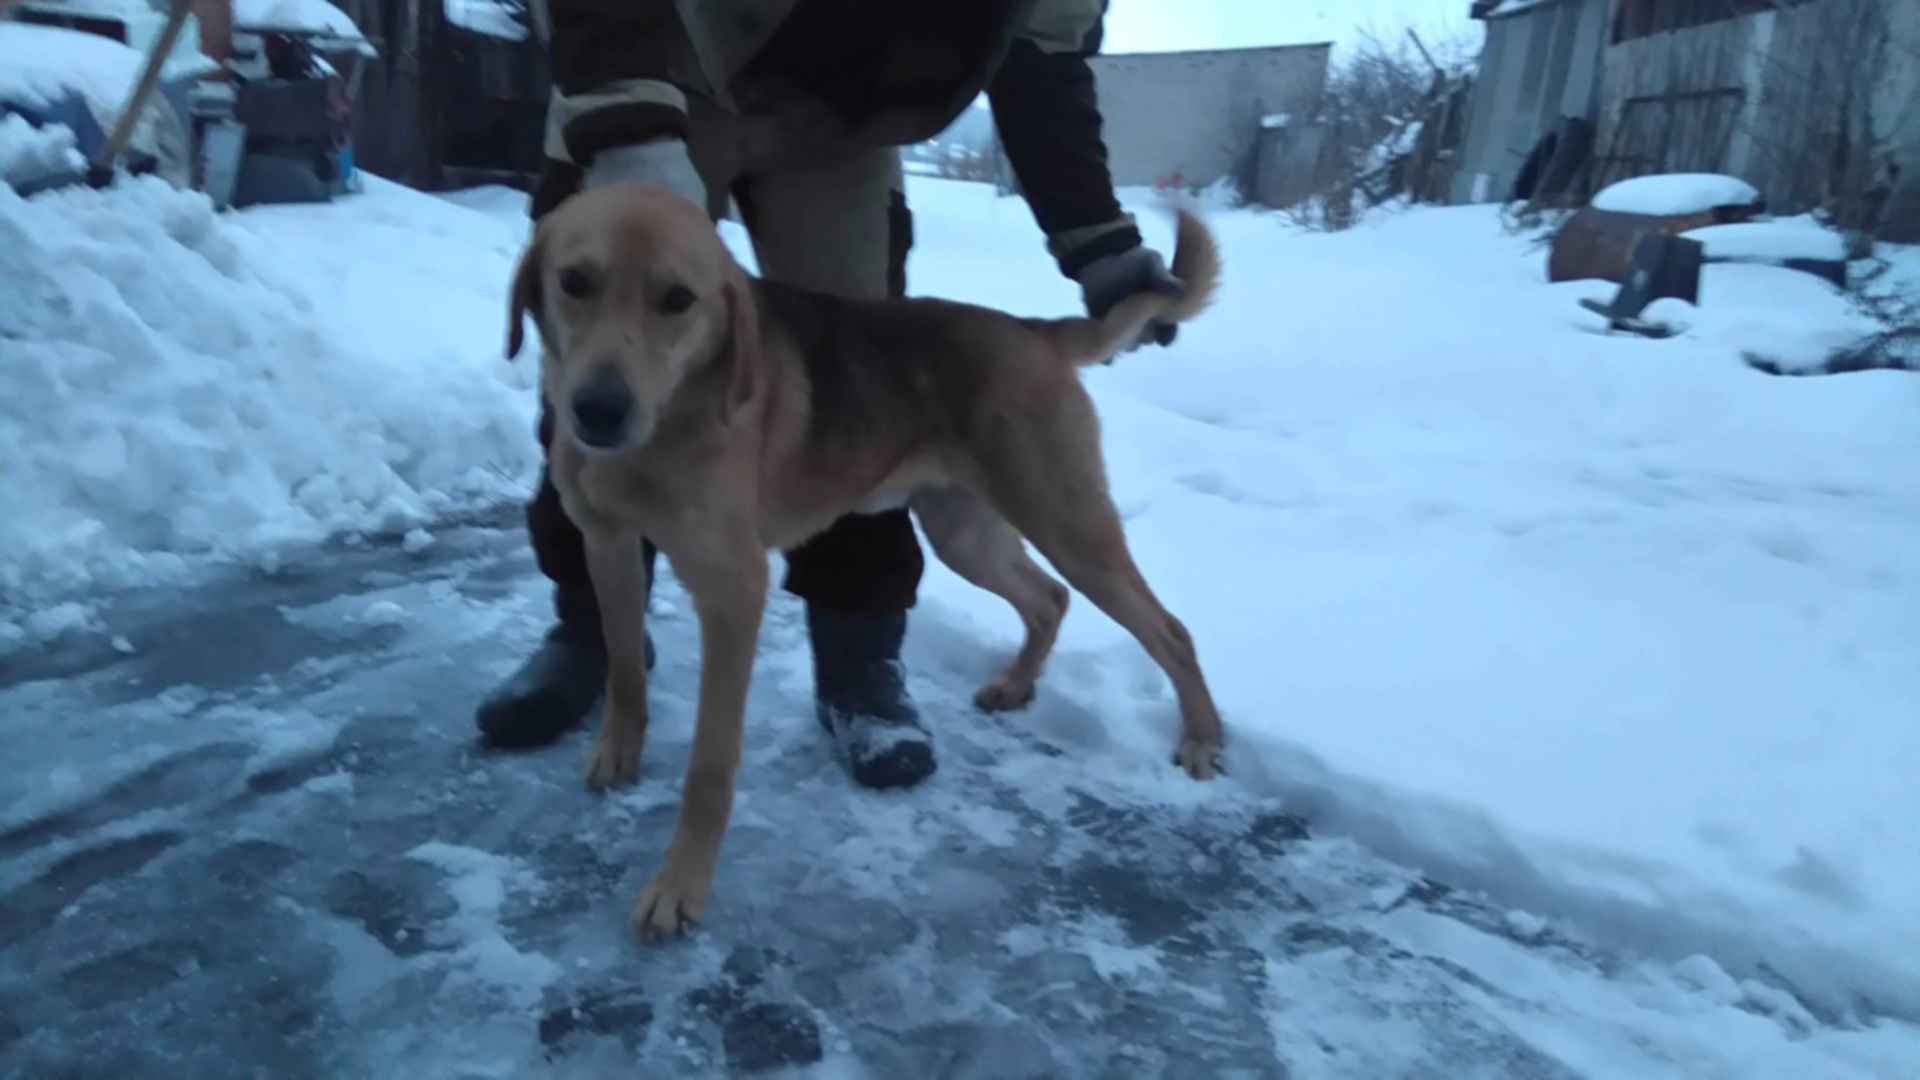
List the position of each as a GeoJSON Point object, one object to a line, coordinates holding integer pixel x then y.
{"type": "Point", "coordinates": [820, 322]}
{"type": "Point", "coordinates": [865, 361]}
{"type": "Point", "coordinates": [836, 338]}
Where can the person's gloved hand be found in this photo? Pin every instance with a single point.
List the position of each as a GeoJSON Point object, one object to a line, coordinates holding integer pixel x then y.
{"type": "Point", "coordinates": [1106, 281]}
{"type": "Point", "coordinates": [662, 161]}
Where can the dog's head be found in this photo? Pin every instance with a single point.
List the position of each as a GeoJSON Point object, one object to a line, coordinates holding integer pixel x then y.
{"type": "Point", "coordinates": [635, 299]}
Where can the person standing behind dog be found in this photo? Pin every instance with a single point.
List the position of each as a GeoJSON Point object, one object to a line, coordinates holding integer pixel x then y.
{"type": "Point", "coordinates": [796, 109]}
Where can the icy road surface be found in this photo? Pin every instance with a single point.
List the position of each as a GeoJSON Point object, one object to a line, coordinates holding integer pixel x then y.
{"type": "Point", "coordinates": [271, 846]}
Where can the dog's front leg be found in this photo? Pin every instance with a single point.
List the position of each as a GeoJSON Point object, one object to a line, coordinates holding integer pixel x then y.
{"type": "Point", "coordinates": [728, 583]}
{"type": "Point", "coordinates": [619, 571]}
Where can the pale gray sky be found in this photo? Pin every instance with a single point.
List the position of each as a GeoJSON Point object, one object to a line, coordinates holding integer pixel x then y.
{"type": "Point", "coordinates": [1157, 25]}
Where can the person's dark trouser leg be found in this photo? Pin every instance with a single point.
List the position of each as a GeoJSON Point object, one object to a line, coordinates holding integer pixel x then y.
{"type": "Point", "coordinates": [866, 563]}
{"type": "Point", "coordinates": [553, 689]}
{"type": "Point", "coordinates": [845, 229]}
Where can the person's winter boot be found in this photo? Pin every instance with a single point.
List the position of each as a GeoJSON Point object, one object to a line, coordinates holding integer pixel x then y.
{"type": "Point", "coordinates": [860, 694]}
{"type": "Point", "coordinates": [551, 692]}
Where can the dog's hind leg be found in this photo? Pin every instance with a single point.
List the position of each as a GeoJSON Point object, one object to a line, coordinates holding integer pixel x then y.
{"type": "Point", "coordinates": [1049, 480]}
{"type": "Point", "coordinates": [619, 573]}
{"type": "Point", "coordinates": [979, 545]}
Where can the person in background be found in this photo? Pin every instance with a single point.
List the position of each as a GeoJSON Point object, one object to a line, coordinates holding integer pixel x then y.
{"type": "Point", "coordinates": [794, 110]}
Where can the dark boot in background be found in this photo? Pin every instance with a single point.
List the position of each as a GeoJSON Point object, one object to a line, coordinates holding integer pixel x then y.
{"type": "Point", "coordinates": [861, 698]}
{"type": "Point", "coordinates": [556, 687]}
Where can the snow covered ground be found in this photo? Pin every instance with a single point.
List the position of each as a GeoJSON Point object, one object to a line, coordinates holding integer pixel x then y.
{"type": "Point", "coordinates": [1618, 637]}
{"type": "Point", "coordinates": [1615, 627]}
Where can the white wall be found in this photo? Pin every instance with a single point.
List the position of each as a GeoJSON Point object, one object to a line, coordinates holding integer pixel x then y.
{"type": "Point", "coordinates": [1192, 112]}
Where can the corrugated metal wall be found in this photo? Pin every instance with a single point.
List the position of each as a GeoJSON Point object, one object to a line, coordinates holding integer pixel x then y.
{"type": "Point", "coordinates": [1538, 65]}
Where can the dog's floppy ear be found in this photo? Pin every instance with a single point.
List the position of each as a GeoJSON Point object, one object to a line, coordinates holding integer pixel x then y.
{"type": "Point", "coordinates": [743, 349]}
{"type": "Point", "coordinates": [526, 298]}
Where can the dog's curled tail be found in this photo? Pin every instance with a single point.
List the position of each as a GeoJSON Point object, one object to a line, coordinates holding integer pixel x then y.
{"type": "Point", "coordinates": [1196, 263]}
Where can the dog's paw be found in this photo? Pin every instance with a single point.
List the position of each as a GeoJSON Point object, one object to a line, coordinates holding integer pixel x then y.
{"type": "Point", "coordinates": [1199, 757]}
{"type": "Point", "coordinates": [1004, 695]}
{"type": "Point", "coordinates": [612, 764]}
{"type": "Point", "coordinates": [670, 904]}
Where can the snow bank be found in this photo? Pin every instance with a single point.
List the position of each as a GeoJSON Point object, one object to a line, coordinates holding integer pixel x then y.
{"type": "Point", "coordinates": [40, 65]}
{"type": "Point", "coordinates": [178, 386]}
{"type": "Point", "coordinates": [1617, 630]}
{"type": "Point", "coordinates": [1793, 238]}
{"type": "Point", "coordinates": [1675, 193]}
{"type": "Point", "coordinates": [29, 155]}
{"type": "Point", "coordinates": [488, 17]}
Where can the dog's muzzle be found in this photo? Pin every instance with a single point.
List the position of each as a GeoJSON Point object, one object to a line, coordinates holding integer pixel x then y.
{"type": "Point", "coordinates": [601, 409]}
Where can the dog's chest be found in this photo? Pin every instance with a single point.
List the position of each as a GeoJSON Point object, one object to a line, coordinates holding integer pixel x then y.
{"type": "Point", "coordinates": [612, 488]}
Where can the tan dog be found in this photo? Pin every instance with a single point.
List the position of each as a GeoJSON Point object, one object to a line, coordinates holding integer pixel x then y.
{"type": "Point", "coordinates": [722, 416]}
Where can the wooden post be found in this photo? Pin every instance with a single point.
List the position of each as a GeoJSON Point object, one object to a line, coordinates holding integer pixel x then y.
{"type": "Point", "coordinates": [142, 90]}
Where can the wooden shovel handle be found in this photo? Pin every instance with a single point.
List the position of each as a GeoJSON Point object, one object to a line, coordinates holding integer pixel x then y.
{"type": "Point", "coordinates": [149, 76]}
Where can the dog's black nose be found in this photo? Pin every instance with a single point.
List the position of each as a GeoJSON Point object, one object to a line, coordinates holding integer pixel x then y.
{"type": "Point", "coordinates": [601, 408]}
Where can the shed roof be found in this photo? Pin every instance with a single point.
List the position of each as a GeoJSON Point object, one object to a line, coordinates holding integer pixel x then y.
{"type": "Point", "coordinates": [1496, 9]}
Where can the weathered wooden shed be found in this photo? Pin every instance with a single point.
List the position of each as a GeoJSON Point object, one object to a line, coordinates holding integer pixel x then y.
{"type": "Point", "coordinates": [1540, 63]}
{"type": "Point", "coordinates": [454, 99]}
{"type": "Point", "coordinates": [1809, 100]}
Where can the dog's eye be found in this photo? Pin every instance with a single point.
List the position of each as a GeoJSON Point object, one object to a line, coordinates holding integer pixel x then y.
{"type": "Point", "coordinates": [576, 282]}
{"type": "Point", "coordinates": [677, 299]}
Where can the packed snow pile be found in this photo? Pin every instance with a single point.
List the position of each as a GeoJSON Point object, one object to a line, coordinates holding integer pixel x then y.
{"type": "Point", "coordinates": [179, 386]}
{"type": "Point", "coordinates": [1672, 194]}
{"type": "Point", "coordinates": [41, 65]}
{"type": "Point", "coordinates": [1790, 238]}
{"type": "Point", "coordinates": [29, 155]}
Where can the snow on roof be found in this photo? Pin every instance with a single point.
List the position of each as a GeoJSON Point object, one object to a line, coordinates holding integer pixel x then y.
{"type": "Point", "coordinates": [1515, 7]}
{"type": "Point", "coordinates": [490, 17]}
{"type": "Point", "coordinates": [1675, 193]}
{"type": "Point", "coordinates": [105, 9]}
{"type": "Point", "coordinates": [304, 16]}
{"type": "Point", "coordinates": [40, 64]}
{"type": "Point", "coordinates": [295, 15]}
